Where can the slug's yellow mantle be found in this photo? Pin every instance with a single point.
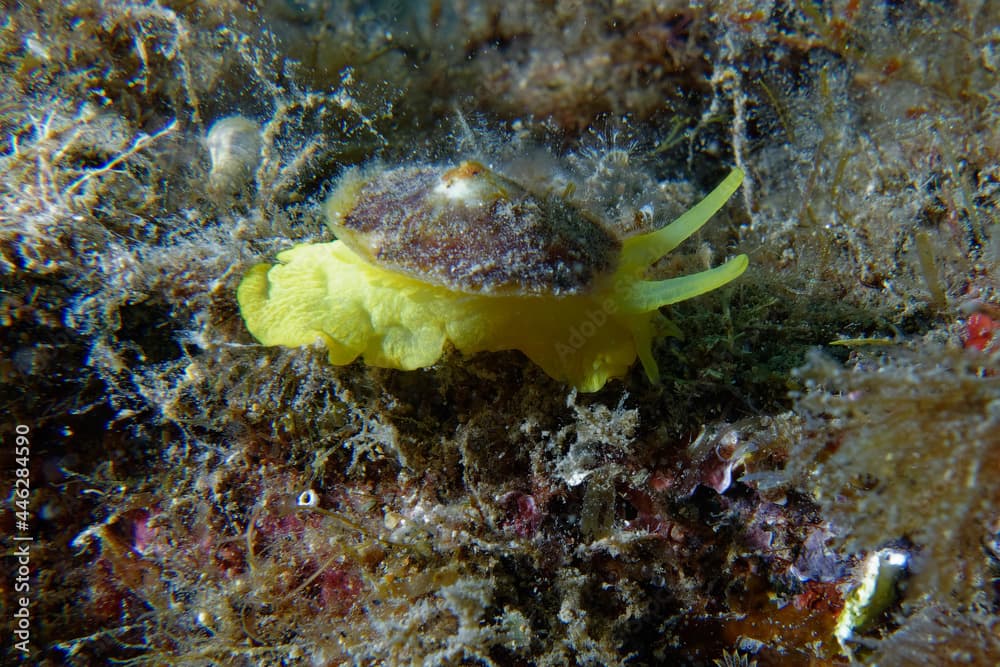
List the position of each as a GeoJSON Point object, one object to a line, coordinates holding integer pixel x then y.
{"type": "Point", "coordinates": [327, 292]}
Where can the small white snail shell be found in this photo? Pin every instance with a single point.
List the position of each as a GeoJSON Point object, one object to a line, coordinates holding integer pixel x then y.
{"type": "Point", "coordinates": [234, 147]}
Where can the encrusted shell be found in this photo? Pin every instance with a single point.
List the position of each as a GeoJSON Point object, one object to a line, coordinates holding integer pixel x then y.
{"type": "Point", "coordinates": [471, 230]}
{"type": "Point", "coordinates": [234, 145]}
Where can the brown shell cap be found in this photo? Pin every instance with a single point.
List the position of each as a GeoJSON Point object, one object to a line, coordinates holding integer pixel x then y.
{"type": "Point", "coordinates": [471, 230]}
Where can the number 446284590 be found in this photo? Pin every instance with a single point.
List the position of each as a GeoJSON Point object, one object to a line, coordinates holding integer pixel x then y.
{"type": "Point", "coordinates": [22, 471]}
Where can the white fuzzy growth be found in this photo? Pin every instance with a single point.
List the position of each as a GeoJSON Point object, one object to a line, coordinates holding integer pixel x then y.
{"type": "Point", "coordinates": [459, 188]}
{"type": "Point", "coordinates": [475, 187]}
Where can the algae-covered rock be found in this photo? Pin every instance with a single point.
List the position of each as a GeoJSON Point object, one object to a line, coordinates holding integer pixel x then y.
{"type": "Point", "coordinates": [197, 498]}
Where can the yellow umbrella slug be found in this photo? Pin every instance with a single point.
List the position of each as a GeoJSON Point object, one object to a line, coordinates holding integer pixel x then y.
{"type": "Point", "coordinates": [429, 256]}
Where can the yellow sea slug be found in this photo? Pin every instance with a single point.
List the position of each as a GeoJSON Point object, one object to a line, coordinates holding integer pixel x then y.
{"type": "Point", "coordinates": [430, 256]}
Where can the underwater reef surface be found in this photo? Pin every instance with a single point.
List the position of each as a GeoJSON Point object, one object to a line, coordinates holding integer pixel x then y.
{"type": "Point", "coordinates": [812, 480]}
